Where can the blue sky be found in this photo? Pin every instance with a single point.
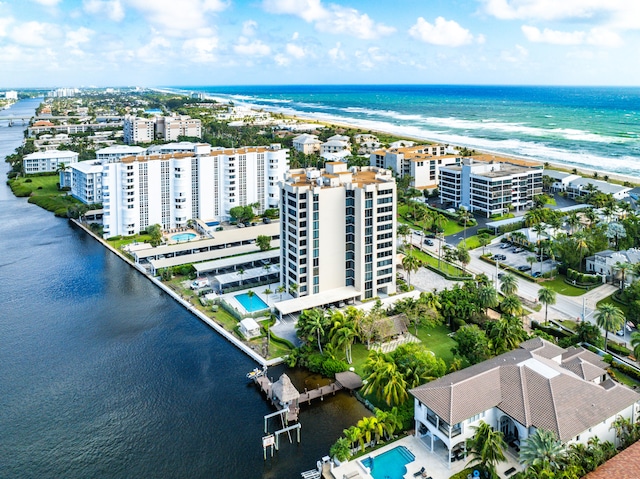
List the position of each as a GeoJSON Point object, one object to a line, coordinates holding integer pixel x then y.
{"type": "Point", "coordinates": [46, 43]}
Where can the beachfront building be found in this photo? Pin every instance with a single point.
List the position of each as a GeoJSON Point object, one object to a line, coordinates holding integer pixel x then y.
{"type": "Point", "coordinates": [115, 153]}
{"type": "Point", "coordinates": [537, 386]}
{"type": "Point", "coordinates": [201, 182]}
{"type": "Point", "coordinates": [47, 161]}
{"type": "Point", "coordinates": [338, 235]}
{"type": "Point", "coordinates": [491, 188]}
{"type": "Point", "coordinates": [172, 127]}
{"type": "Point", "coordinates": [307, 144]}
{"type": "Point", "coordinates": [367, 143]}
{"type": "Point", "coordinates": [583, 186]}
{"type": "Point", "coordinates": [85, 180]}
{"type": "Point", "coordinates": [560, 179]}
{"type": "Point", "coordinates": [421, 162]}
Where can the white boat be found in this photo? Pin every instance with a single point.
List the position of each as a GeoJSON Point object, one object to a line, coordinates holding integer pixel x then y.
{"type": "Point", "coordinates": [256, 373]}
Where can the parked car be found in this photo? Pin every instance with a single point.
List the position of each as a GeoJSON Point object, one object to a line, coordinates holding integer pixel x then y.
{"type": "Point", "coordinates": [266, 220]}
{"type": "Point", "coordinates": [504, 245]}
{"type": "Point", "coordinates": [428, 242]}
{"type": "Point", "coordinates": [240, 225]}
{"type": "Point", "coordinates": [499, 257]}
{"type": "Point", "coordinates": [620, 332]}
{"type": "Point", "coordinates": [418, 232]}
{"type": "Point", "coordinates": [518, 250]}
{"type": "Point", "coordinates": [537, 274]}
{"type": "Point", "coordinates": [524, 267]}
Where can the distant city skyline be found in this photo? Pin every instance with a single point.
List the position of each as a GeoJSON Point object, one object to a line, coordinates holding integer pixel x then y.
{"type": "Point", "coordinates": [59, 43]}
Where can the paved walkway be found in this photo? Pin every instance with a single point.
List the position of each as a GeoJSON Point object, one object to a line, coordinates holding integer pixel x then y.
{"type": "Point", "coordinates": [390, 346]}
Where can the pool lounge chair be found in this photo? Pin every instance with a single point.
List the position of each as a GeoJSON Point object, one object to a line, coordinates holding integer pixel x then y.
{"type": "Point", "coordinates": [419, 473]}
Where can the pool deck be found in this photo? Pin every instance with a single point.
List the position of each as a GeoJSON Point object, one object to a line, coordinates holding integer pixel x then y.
{"type": "Point", "coordinates": [434, 463]}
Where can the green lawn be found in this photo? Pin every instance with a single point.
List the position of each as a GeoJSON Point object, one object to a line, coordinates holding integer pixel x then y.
{"type": "Point", "coordinates": [609, 300]}
{"type": "Point", "coordinates": [626, 380]}
{"type": "Point", "coordinates": [559, 286]}
{"type": "Point", "coordinates": [119, 243]}
{"type": "Point", "coordinates": [472, 242]}
{"type": "Point", "coordinates": [435, 339]}
{"type": "Point", "coordinates": [450, 228]}
{"type": "Point", "coordinates": [444, 266]}
{"type": "Point", "coordinates": [41, 185]}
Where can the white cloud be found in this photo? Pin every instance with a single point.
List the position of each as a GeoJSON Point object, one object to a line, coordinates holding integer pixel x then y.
{"type": "Point", "coordinates": [516, 56]}
{"type": "Point", "coordinates": [596, 36]}
{"type": "Point", "coordinates": [111, 8]}
{"type": "Point", "coordinates": [35, 34]}
{"type": "Point", "coordinates": [255, 48]}
{"type": "Point", "coordinates": [295, 36]}
{"type": "Point", "coordinates": [249, 28]}
{"type": "Point", "coordinates": [200, 50]}
{"type": "Point", "coordinates": [5, 22]}
{"type": "Point", "coordinates": [75, 38]}
{"type": "Point", "coordinates": [336, 53]}
{"type": "Point", "coordinates": [620, 14]}
{"type": "Point", "coordinates": [334, 19]}
{"type": "Point", "coordinates": [370, 58]}
{"type": "Point", "coordinates": [554, 37]}
{"type": "Point", "coordinates": [295, 51]}
{"type": "Point", "coordinates": [349, 21]}
{"type": "Point", "coordinates": [308, 10]}
{"type": "Point", "coordinates": [282, 60]}
{"type": "Point", "coordinates": [47, 3]}
{"type": "Point", "coordinates": [184, 18]}
{"type": "Point", "coordinates": [443, 32]}
{"type": "Point", "coordinates": [155, 51]}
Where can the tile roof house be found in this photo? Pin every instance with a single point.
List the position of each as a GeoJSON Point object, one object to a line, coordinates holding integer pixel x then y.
{"type": "Point", "coordinates": [537, 386]}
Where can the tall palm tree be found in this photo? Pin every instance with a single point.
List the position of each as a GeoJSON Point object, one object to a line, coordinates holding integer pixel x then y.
{"type": "Point", "coordinates": [508, 284]}
{"type": "Point", "coordinates": [486, 448]}
{"type": "Point", "coordinates": [354, 435]}
{"type": "Point", "coordinates": [280, 290]}
{"type": "Point", "coordinates": [410, 263]}
{"type": "Point", "coordinates": [371, 428]}
{"type": "Point", "coordinates": [542, 450]}
{"type": "Point", "coordinates": [312, 322]}
{"type": "Point", "coordinates": [609, 318]}
{"type": "Point", "coordinates": [546, 296]}
{"type": "Point", "coordinates": [250, 295]}
{"type": "Point", "coordinates": [404, 231]}
{"type": "Point", "coordinates": [390, 421]}
{"type": "Point", "coordinates": [464, 216]}
{"type": "Point", "coordinates": [241, 274]}
{"type": "Point", "coordinates": [623, 268]}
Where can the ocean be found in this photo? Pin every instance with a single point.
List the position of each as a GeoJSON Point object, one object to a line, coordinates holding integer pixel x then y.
{"type": "Point", "coordinates": [594, 128]}
{"type": "Point", "coordinates": [104, 376]}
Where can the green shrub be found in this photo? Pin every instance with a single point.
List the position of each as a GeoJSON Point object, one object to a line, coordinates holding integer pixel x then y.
{"type": "Point", "coordinates": [332, 366]}
{"type": "Point", "coordinates": [464, 473]}
{"type": "Point", "coordinates": [620, 350]}
{"type": "Point", "coordinates": [28, 180]}
{"type": "Point", "coordinates": [629, 371]}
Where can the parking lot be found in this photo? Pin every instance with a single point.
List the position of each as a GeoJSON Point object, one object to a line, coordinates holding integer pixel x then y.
{"type": "Point", "coordinates": [516, 257]}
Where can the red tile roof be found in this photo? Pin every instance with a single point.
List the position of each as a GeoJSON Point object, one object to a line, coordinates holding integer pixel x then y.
{"type": "Point", "coordinates": [625, 465]}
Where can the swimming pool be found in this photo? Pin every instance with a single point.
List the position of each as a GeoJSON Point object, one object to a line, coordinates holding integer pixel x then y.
{"type": "Point", "coordinates": [390, 464]}
{"type": "Point", "coordinates": [251, 304]}
{"type": "Point", "coordinates": [183, 237]}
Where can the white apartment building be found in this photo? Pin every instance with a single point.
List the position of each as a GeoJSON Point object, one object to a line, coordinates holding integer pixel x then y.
{"type": "Point", "coordinates": [338, 235]}
{"type": "Point", "coordinates": [172, 127]}
{"type": "Point", "coordinates": [421, 162]}
{"type": "Point", "coordinates": [115, 153]}
{"type": "Point", "coordinates": [47, 161]}
{"type": "Point", "coordinates": [307, 143]}
{"type": "Point", "coordinates": [170, 189]}
{"type": "Point", "coordinates": [11, 95]}
{"type": "Point", "coordinates": [138, 130]}
{"type": "Point", "coordinates": [85, 180]}
{"type": "Point", "coordinates": [491, 187]}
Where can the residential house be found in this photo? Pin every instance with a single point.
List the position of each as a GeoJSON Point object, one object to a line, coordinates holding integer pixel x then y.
{"type": "Point", "coordinates": [537, 386]}
{"type": "Point", "coordinates": [307, 144]}
{"type": "Point", "coordinates": [607, 263]}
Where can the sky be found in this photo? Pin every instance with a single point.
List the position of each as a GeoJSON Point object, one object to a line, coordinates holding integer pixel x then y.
{"type": "Point", "coordinates": [81, 43]}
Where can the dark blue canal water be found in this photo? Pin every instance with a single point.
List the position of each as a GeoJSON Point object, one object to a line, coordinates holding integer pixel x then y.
{"type": "Point", "coordinates": [104, 376]}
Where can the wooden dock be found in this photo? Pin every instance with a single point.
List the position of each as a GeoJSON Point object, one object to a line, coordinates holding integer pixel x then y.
{"type": "Point", "coordinates": [320, 392]}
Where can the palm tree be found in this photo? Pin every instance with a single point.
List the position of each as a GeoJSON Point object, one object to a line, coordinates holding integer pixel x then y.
{"type": "Point", "coordinates": [315, 324]}
{"type": "Point", "coordinates": [508, 284]}
{"type": "Point", "coordinates": [542, 450]}
{"type": "Point", "coordinates": [484, 239]}
{"type": "Point", "coordinates": [410, 263]}
{"type": "Point", "coordinates": [546, 296]}
{"type": "Point", "coordinates": [463, 256]}
{"type": "Point", "coordinates": [293, 289]}
{"type": "Point", "coordinates": [511, 305]}
{"type": "Point", "coordinates": [354, 435]}
{"type": "Point", "coordinates": [241, 274]}
{"type": "Point", "coordinates": [390, 420]}
{"type": "Point", "coordinates": [487, 297]}
{"type": "Point", "coordinates": [623, 268]}
{"type": "Point", "coordinates": [464, 216]}
{"type": "Point", "coordinates": [267, 268]}
{"type": "Point", "coordinates": [280, 290]}
{"type": "Point", "coordinates": [609, 318]}
{"type": "Point", "coordinates": [404, 231]}
{"type": "Point", "coordinates": [486, 448]}
{"type": "Point", "coordinates": [371, 428]}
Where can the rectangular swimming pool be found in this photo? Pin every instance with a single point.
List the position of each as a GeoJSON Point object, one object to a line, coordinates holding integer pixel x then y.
{"type": "Point", "coordinates": [251, 304]}
{"type": "Point", "coordinates": [390, 464]}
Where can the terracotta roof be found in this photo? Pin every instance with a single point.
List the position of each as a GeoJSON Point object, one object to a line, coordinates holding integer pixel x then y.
{"type": "Point", "coordinates": [625, 465]}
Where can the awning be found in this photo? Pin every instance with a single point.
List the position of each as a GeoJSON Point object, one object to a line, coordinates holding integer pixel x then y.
{"type": "Point", "coordinates": [314, 300]}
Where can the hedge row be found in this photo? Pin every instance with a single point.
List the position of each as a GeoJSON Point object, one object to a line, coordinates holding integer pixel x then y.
{"type": "Point", "coordinates": [629, 371]}
{"type": "Point", "coordinates": [555, 332]}
{"type": "Point", "coordinates": [583, 278]}
{"type": "Point", "coordinates": [620, 350]}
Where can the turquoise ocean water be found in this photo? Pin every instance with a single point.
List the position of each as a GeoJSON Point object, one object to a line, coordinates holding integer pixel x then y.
{"type": "Point", "coordinates": [584, 127]}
